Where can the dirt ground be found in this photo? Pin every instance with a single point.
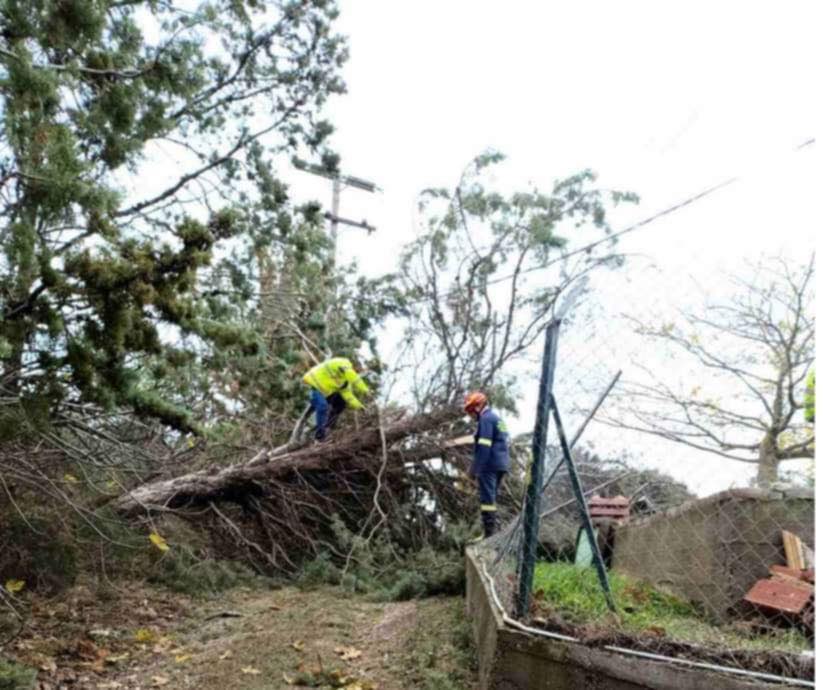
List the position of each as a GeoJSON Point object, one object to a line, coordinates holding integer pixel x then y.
{"type": "Point", "coordinates": [140, 638]}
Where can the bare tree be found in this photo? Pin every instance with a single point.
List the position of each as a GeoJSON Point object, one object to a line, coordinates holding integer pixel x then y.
{"type": "Point", "coordinates": [752, 355]}
{"type": "Point", "coordinates": [485, 274]}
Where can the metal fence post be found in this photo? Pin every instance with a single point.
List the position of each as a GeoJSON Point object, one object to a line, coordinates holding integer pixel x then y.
{"type": "Point", "coordinates": [583, 507]}
{"type": "Point", "coordinates": [531, 512]}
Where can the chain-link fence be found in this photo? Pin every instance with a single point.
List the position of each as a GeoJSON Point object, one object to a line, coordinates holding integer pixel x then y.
{"type": "Point", "coordinates": [686, 422]}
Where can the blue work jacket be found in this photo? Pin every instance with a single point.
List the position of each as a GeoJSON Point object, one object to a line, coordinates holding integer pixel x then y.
{"type": "Point", "coordinates": [491, 444]}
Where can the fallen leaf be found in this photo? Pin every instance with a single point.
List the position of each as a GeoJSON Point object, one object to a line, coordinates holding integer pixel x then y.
{"type": "Point", "coordinates": [289, 680]}
{"type": "Point", "coordinates": [348, 653]}
{"type": "Point", "coordinates": [158, 681]}
{"type": "Point", "coordinates": [145, 635]}
{"type": "Point", "coordinates": [70, 478]}
{"type": "Point", "coordinates": [48, 665]}
{"type": "Point", "coordinates": [225, 655]}
{"type": "Point", "coordinates": [298, 645]}
{"type": "Point", "coordinates": [113, 685]}
{"type": "Point", "coordinates": [251, 671]}
{"type": "Point", "coordinates": [275, 607]}
{"type": "Point", "coordinates": [117, 658]}
{"type": "Point", "coordinates": [14, 586]}
{"type": "Point", "coordinates": [180, 658]}
{"type": "Point", "coordinates": [158, 541]}
{"type": "Point", "coordinates": [86, 649]}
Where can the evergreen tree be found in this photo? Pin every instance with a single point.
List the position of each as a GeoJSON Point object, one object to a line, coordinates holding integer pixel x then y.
{"type": "Point", "coordinates": [99, 278]}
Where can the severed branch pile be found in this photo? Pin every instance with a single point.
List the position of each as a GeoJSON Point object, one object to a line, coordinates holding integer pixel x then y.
{"type": "Point", "coordinates": [288, 504]}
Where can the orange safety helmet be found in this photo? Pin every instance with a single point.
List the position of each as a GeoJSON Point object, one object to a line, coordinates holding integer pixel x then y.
{"type": "Point", "coordinates": [474, 402]}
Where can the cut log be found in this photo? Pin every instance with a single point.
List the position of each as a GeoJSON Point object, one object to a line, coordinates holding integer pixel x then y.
{"type": "Point", "coordinates": [422, 438]}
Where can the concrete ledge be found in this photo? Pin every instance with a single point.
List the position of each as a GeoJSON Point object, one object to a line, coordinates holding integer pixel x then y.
{"type": "Point", "coordinates": [511, 659]}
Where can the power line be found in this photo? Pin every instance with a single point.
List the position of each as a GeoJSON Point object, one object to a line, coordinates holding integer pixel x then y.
{"type": "Point", "coordinates": [631, 228]}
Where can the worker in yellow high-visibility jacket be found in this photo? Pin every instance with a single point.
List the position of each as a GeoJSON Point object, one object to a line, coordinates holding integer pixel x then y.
{"type": "Point", "coordinates": [333, 386]}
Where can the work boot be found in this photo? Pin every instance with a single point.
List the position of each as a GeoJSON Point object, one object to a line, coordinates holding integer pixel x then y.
{"type": "Point", "coordinates": [489, 524]}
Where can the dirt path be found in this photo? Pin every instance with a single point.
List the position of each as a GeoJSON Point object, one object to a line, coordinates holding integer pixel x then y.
{"type": "Point", "coordinates": [248, 640]}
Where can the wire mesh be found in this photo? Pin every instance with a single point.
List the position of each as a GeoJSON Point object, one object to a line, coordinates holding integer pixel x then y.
{"type": "Point", "coordinates": [710, 559]}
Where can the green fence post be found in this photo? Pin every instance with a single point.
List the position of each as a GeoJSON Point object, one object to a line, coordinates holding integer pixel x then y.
{"type": "Point", "coordinates": [531, 512]}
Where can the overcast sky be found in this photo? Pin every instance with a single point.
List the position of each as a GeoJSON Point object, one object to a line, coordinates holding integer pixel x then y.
{"type": "Point", "coordinates": [662, 99]}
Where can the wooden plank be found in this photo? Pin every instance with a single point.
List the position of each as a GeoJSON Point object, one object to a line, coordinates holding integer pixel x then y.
{"type": "Point", "coordinates": [794, 551]}
{"type": "Point", "coordinates": [784, 570]}
{"type": "Point", "coordinates": [794, 581]}
{"type": "Point", "coordinates": [779, 595]}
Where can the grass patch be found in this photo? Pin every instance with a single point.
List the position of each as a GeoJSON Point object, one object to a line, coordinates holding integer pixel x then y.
{"type": "Point", "coordinates": [575, 594]}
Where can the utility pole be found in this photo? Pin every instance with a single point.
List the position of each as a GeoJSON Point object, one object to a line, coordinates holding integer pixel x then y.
{"type": "Point", "coordinates": [339, 182]}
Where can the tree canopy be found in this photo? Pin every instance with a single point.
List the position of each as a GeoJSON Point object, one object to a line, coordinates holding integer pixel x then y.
{"type": "Point", "coordinates": [751, 356]}
{"type": "Point", "coordinates": [109, 276]}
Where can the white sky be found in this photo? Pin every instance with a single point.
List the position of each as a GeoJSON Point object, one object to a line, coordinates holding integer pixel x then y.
{"type": "Point", "coordinates": [659, 99]}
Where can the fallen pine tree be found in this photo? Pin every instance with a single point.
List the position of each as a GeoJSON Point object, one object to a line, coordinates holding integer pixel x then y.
{"type": "Point", "coordinates": [422, 436]}
{"type": "Point", "coordinates": [281, 508]}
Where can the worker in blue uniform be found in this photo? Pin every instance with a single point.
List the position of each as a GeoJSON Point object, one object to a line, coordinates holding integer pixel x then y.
{"type": "Point", "coordinates": [491, 456]}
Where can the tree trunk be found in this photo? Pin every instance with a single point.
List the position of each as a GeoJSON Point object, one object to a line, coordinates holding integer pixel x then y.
{"type": "Point", "coordinates": [355, 450]}
{"type": "Point", "coordinates": [767, 462]}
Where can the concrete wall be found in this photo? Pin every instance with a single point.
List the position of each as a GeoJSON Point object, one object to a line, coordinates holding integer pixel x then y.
{"type": "Point", "coordinates": [712, 550]}
{"type": "Point", "coordinates": [511, 659]}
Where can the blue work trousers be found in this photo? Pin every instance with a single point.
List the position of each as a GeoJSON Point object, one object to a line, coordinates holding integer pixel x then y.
{"type": "Point", "coordinates": [326, 411]}
{"type": "Point", "coordinates": [488, 483]}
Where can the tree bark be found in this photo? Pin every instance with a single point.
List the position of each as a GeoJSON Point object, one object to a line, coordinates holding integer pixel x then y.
{"type": "Point", "coordinates": [767, 462]}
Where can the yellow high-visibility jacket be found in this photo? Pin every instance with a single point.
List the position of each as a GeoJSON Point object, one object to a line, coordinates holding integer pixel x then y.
{"type": "Point", "coordinates": [337, 375]}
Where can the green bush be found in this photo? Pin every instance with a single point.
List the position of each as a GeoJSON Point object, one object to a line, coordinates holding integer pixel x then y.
{"type": "Point", "coordinates": [182, 571]}
{"type": "Point", "coordinates": [409, 585]}
{"type": "Point", "coordinates": [380, 568]}
{"type": "Point", "coordinates": [319, 571]}
{"type": "Point", "coordinates": [14, 676]}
